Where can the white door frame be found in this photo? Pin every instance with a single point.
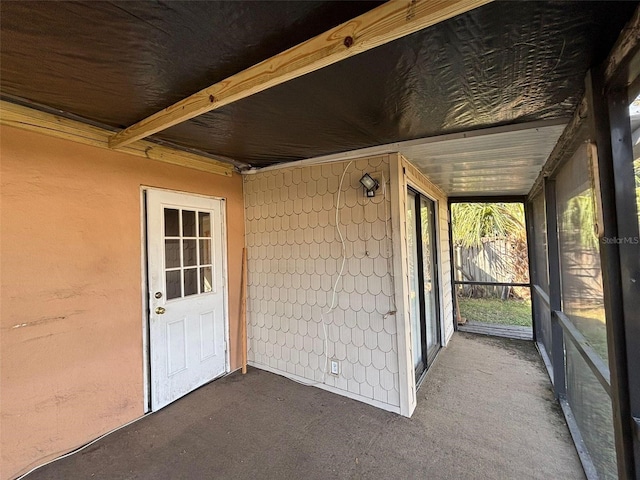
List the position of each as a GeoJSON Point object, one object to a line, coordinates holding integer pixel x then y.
{"type": "Point", "coordinates": [146, 363]}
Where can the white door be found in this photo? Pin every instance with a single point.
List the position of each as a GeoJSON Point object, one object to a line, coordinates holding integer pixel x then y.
{"type": "Point", "coordinates": [186, 293]}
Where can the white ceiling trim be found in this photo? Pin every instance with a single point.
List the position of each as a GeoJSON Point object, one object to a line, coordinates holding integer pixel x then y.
{"type": "Point", "coordinates": [502, 160]}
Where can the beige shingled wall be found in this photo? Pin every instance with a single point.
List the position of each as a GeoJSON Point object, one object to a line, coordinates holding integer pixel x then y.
{"type": "Point", "coordinates": [294, 257]}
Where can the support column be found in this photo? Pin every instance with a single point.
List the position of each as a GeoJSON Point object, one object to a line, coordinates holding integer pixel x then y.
{"type": "Point", "coordinates": [533, 268]}
{"type": "Point", "coordinates": [615, 162]}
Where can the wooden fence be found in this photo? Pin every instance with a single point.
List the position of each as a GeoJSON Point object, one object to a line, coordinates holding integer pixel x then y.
{"type": "Point", "coordinates": [494, 261]}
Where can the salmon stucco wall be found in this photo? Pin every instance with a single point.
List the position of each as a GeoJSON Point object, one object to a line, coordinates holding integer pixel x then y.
{"type": "Point", "coordinates": [71, 311]}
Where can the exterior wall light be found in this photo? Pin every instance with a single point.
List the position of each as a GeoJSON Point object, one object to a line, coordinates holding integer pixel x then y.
{"type": "Point", "coordinates": [370, 185]}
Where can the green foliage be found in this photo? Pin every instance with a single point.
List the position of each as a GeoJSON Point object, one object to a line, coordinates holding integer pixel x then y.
{"type": "Point", "coordinates": [474, 221]}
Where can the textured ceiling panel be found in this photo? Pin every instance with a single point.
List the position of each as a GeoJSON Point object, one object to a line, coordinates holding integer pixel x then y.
{"type": "Point", "coordinates": [118, 62]}
{"type": "Point", "coordinates": [504, 63]}
{"type": "Point", "coordinates": [494, 164]}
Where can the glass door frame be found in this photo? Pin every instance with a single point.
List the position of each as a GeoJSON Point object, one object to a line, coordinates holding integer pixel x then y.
{"type": "Point", "coordinates": [427, 357]}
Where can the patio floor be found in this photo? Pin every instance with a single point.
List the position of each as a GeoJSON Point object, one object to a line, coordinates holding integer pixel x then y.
{"type": "Point", "coordinates": [485, 411]}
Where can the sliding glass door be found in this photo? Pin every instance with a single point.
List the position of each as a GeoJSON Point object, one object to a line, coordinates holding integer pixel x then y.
{"type": "Point", "coordinates": [423, 284]}
{"type": "Point", "coordinates": [429, 278]}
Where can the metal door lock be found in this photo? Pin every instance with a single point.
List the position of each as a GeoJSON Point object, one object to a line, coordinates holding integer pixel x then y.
{"type": "Point", "coordinates": [158, 295]}
{"type": "Point", "coordinates": [160, 310]}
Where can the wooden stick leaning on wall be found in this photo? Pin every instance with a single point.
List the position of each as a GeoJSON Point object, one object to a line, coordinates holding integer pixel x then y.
{"type": "Point", "coordinates": [243, 311]}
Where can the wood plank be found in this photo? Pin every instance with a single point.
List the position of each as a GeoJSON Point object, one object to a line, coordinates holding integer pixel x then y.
{"type": "Point", "coordinates": [495, 330]}
{"type": "Point", "coordinates": [400, 278]}
{"type": "Point", "coordinates": [625, 50]}
{"type": "Point", "coordinates": [25, 118]}
{"type": "Point", "coordinates": [570, 139]}
{"type": "Point", "coordinates": [502, 333]}
{"type": "Point", "coordinates": [243, 311]}
{"type": "Point", "coordinates": [498, 334]}
{"type": "Point", "coordinates": [388, 22]}
{"type": "Point", "coordinates": [417, 178]}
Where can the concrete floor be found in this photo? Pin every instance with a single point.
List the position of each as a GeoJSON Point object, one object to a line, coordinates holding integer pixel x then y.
{"type": "Point", "coordinates": [485, 411]}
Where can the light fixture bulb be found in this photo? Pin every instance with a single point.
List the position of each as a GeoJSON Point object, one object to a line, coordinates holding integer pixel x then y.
{"type": "Point", "coordinates": [370, 184]}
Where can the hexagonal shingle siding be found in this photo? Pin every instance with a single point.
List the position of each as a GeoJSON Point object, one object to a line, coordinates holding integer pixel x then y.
{"type": "Point", "coordinates": [294, 259]}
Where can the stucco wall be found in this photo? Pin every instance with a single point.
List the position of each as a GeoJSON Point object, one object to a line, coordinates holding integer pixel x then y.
{"type": "Point", "coordinates": [71, 312]}
{"type": "Point", "coordinates": [294, 257]}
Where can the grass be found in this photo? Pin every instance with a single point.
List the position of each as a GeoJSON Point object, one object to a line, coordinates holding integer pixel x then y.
{"type": "Point", "coordinates": [494, 310]}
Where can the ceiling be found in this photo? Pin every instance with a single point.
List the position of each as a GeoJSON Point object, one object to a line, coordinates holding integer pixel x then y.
{"type": "Point", "coordinates": [506, 63]}
{"type": "Point", "coordinates": [501, 163]}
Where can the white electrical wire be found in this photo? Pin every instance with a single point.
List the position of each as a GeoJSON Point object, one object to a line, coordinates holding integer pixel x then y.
{"type": "Point", "coordinates": [344, 260]}
{"type": "Point", "coordinates": [392, 309]}
{"type": "Point", "coordinates": [77, 450]}
{"type": "Point", "coordinates": [335, 288]}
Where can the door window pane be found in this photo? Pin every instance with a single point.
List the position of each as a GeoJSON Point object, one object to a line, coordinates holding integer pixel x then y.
{"type": "Point", "coordinates": [185, 254]}
{"type": "Point", "coordinates": [427, 217]}
{"type": "Point", "coordinates": [205, 280]}
{"type": "Point", "coordinates": [205, 252]}
{"type": "Point", "coordinates": [190, 281]}
{"type": "Point", "coordinates": [414, 281]}
{"type": "Point", "coordinates": [190, 254]}
{"type": "Point", "coordinates": [173, 284]}
{"type": "Point", "coordinates": [188, 223]}
{"type": "Point", "coordinates": [205, 224]}
{"type": "Point", "coordinates": [172, 253]}
{"type": "Point", "coordinates": [171, 222]}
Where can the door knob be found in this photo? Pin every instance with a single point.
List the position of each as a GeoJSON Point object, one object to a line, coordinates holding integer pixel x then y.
{"type": "Point", "coordinates": [160, 310]}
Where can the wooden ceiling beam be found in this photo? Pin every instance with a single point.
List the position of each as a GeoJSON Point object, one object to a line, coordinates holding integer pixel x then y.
{"type": "Point", "coordinates": [388, 22]}
{"type": "Point", "coordinates": [26, 118]}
